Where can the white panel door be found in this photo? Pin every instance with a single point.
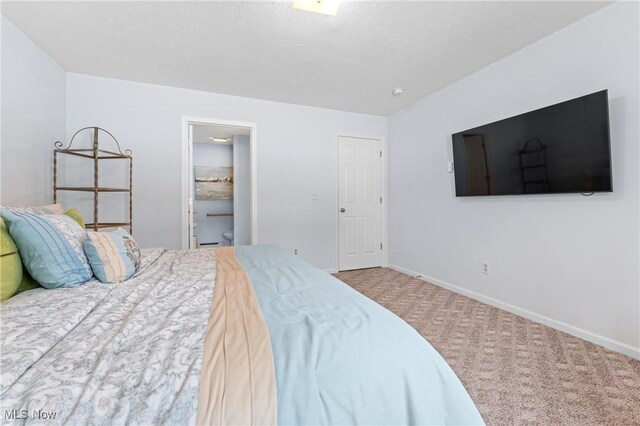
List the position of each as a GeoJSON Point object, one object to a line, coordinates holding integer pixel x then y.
{"type": "Point", "coordinates": [359, 203]}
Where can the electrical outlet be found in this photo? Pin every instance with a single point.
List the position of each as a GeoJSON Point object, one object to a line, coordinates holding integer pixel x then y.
{"type": "Point", "coordinates": [485, 267]}
{"type": "Point", "coordinates": [314, 196]}
{"type": "Point", "coordinates": [295, 251]}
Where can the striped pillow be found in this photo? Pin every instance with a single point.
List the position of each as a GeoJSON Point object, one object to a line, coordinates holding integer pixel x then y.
{"type": "Point", "coordinates": [114, 255]}
{"type": "Point", "coordinates": [50, 246]}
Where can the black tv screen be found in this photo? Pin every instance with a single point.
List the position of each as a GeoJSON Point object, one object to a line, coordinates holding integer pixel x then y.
{"type": "Point", "coordinates": [562, 148]}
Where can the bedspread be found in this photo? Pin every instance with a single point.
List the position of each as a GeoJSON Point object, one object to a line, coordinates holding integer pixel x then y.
{"type": "Point", "coordinates": [341, 358]}
{"type": "Point", "coordinates": [237, 384]}
{"type": "Point", "coordinates": [132, 353]}
{"type": "Point", "coordinates": [110, 354]}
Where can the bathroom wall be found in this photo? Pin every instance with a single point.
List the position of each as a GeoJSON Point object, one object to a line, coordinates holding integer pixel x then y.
{"type": "Point", "coordinates": [242, 190]}
{"type": "Point", "coordinates": [210, 229]}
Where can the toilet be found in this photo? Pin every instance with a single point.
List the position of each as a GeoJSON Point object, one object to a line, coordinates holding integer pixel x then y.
{"type": "Point", "coordinates": [228, 236]}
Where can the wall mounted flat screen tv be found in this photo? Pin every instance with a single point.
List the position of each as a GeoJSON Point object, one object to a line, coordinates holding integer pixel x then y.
{"type": "Point", "coordinates": [562, 148]}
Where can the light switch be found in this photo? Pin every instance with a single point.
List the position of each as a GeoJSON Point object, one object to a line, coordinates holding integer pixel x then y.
{"type": "Point", "coordinates": [314, 196]}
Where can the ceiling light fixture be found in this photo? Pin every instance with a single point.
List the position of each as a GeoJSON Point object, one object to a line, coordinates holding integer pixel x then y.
{"type": "Point", "coordinates": [323, 7]}
{"type": "Point", "coordinates": [397, 91]}
{"type": "Point", "coordinates": [220, 140]}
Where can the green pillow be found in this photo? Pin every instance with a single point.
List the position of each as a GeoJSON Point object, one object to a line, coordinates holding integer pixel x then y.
{"type": "Point", "coordinates": [75, 215]}
{"type": "Point", "coordinates": [10, 265]}
{"type": "Point", "coordinates": [7, 246]}
{"type": "Point", "coordinates": [27, 283]}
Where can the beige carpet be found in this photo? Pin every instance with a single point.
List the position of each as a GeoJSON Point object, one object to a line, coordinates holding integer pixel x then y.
{"type": "Point", "coordinates": [516, 371]}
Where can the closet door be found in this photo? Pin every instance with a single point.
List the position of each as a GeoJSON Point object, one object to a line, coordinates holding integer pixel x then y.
{"type": "Point", "coordinates": [359, 203]}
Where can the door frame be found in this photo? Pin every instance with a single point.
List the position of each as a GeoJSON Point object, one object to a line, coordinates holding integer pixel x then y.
{"type": "Point", "coordinates": [383, 193]}
{"type": "Point", "coordinates": [186, 166]}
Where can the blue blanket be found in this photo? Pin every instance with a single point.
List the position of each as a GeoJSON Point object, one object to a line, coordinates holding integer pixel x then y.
{"type": "Point", "coordinates": [341, 358]}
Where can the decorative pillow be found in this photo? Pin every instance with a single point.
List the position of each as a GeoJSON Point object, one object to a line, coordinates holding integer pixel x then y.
{"type": "Point", "coordinates": [75, 215]}
{"type": "Point", "coordinates": [7, 246]}
{"type": "Point", "coordinates": [51, 247]}
{"type": "Point", "coordinates": [10, 265]}
{"type": "Point", "coordinates": [47, 209]}
{"type": "Point", "coordinates": [114, 255]}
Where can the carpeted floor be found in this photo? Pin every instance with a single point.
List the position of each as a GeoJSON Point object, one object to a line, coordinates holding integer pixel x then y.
{"type": "Point", "coordinates": [516, 371]}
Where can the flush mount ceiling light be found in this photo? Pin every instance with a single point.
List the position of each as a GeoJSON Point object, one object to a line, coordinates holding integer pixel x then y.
{"type": "Point", "coordinates": [397, 91]}
{"type": "Point", "coordinates": [220, 140]}
{"type": "Point", "coordinates": [323, 7]}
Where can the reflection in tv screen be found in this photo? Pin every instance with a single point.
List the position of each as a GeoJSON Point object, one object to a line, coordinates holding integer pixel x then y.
{"type": "Point", "coordinates": [562, 148]}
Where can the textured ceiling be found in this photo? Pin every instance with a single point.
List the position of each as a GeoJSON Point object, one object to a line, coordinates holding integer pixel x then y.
{"type": "Point", "coordinates": [267, 50]}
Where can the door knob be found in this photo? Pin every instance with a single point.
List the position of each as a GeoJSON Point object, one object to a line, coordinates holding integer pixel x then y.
{"type": "Point", "coordinates": [342, 210]}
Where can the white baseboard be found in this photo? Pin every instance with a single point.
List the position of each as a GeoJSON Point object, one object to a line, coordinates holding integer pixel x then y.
{"type": "Point", "coordinates": [550, 322]}
{"type": "Point", "coordinates": [331, 271]}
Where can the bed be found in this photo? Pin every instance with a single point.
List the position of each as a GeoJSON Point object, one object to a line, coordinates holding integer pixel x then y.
{"type": "Point", "coordinates": [220, 336]}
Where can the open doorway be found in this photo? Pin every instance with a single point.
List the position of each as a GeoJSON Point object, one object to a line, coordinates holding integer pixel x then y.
{"type": "Point", "coordinates": [218, 183]}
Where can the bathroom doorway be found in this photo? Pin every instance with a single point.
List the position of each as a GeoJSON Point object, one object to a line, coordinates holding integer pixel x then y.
{"type": "Point", "coordinates": [220, 201]}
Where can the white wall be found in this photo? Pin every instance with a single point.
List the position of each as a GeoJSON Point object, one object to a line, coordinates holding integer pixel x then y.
{"type": "Point", "coordinates": [571, 261]}
{"type": "Point", "coordinates": [33, 118]}
{"type": "Point", "coordinates": [296, 151]}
